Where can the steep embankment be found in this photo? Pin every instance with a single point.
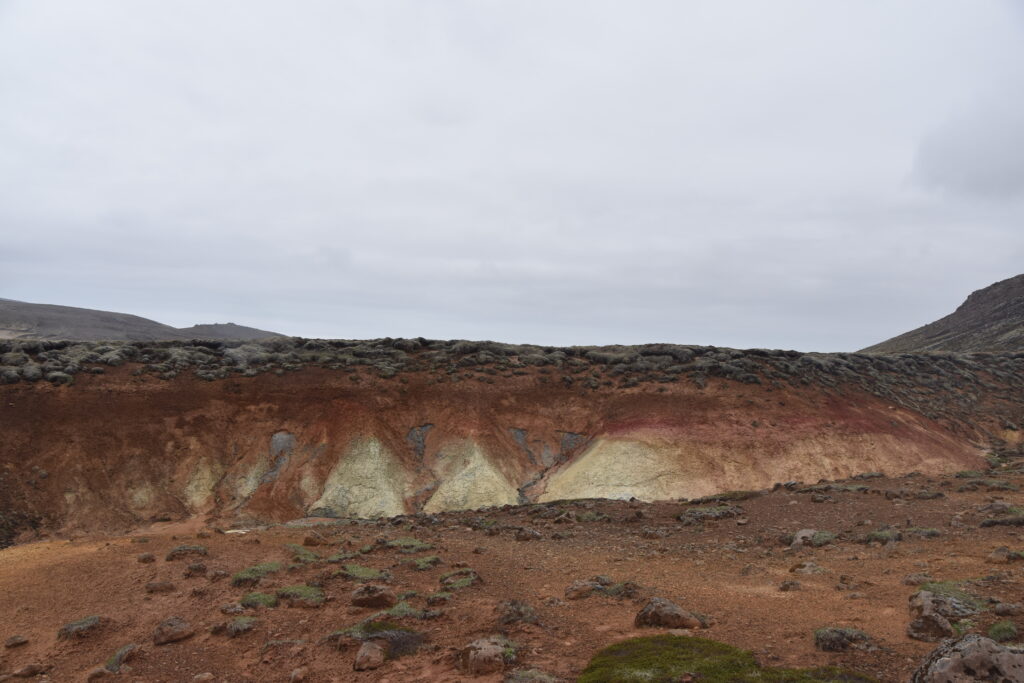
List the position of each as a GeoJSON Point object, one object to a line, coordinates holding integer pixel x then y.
{"type": "Point", "coordinates": [991, 319]}
{"type": "Point", "coordinates": [123, 446]}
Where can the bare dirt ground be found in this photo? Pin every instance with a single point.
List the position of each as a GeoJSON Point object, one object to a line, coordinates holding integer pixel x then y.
{"type": "Point", "coordinates": [730, 569]}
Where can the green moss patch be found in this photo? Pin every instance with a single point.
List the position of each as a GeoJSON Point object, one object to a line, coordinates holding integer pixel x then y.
{"type": "Point", "coordinates": [253, 600]}
{"type": "Point", "coordinates": [301, 595]}
{"type": "Point", "coordinates": [883, 536]}
{"type": "Point", "coordinates": [252, 575]}
{"type": "Point", "coordinates": [954, 590]}
{"type": "Point", "coordinates": [822, 538]}
{"type": "Point", "coordinates": [424, 563]}
{"type": "Point", "coordinates": [341, 556]}
{"type": "Point", "coordinates": [459, 579]}
{"type": "Point", "coordinates": [357, 572]}
{"type": "Point", "coordinates": [301, 553]}
{"type": "Point", "coordinates": [665, 658]}
{"type": "Point", "coordinates": [409, 545]}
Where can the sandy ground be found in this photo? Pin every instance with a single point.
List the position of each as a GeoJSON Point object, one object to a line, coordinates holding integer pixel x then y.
{"type": "Point", "coordinates": [730, 569]}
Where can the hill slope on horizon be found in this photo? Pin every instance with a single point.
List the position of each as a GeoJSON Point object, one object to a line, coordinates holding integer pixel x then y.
{"type": "Point", "coordinates": [991, 319]}
{"type": "Point", "coordinates": [22, 320]}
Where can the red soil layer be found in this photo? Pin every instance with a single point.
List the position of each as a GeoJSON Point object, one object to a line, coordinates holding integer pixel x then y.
{"type": "Point", "coordinates": [107, 435]}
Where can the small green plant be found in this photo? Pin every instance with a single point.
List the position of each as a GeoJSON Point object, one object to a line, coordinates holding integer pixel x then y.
{"type": "Point", "coordinates": [252, 575]}
{"type": "Point", "coordinates": [357, 572]}
{"type": "Point", "coordinates": [424, 563]}
{"type": "Point", "coordinates": [302, 595]}
{"type": "Point", "coordinates": [301, 553]}
{"type": "Point", "coordinates": [822, 538]}
{"type": "Point", "coordinates": [954, 590]}
{"type": "Point", "coordinates": [253, 600]}
{"type": "Point", "coordinates": [1002, 631]}
{"type": "Point", "coordinates": [341, 556]}
{"type": "Point", "coordinates": [883, 536]}
{"type": "Point", "coordinates": [962, 626]}
{"type": "Point", "coordinates": [409, 545]}
{"type": "Point", "coordinates": [459, 579]}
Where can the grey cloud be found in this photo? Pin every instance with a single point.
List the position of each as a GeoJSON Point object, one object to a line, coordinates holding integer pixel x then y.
{"type": "Point", "coordinates": [566, 172]}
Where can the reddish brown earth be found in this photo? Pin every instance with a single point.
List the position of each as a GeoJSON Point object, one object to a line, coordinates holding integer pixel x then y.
{"type": "Point", "coordinates": [89, 469]}
{"type": "Point", "coordinates": [728, 569]}
{"type": "Point", "coordinates": [116, 450]}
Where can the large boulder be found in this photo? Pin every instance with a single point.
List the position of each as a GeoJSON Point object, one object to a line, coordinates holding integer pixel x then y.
{"type": "Point", "coordinates": [659, 612]}
{"type": "Point", "coordinates": [972, 658]}
{"type": "Point", "coordinates": [931, 616]}
{"type": "Point", "coordinates": [486, 656]}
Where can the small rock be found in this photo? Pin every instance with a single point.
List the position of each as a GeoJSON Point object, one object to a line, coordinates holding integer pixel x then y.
{"type": "Point", "coordinates": [485, 656]}
{"type": "Point", "coordinates": [371, 655]}
{"type": "Point", "coordinates": [371, 595]}
{"type": "Point", "coordinates": [839, 639]}
{"type": "Point", "coordinates": [183, 551]}
{"type": "Point", "coordinates": [807, 567]}
{"type": "Point", "coordinates": [159, 587]}
{"type": "Point", "coordinates": [1007, 609]}
{"type": "Point", "coordinates": [662, 613]}
{"type": "Point", "coordinates": [16, 641]}
{"type": "Point", "coordinates": [916, 579]}
{"type": "Point", "coordinates": [201, 678]}
{"type": "Point", "coordinates": [790, 586]}
{"type": "Point", "coordinates": [195, 569]}
{"type": "Point", "coordinates": [145, 558]}
{"type": "Point", "coordinates": [29, 671]}
{"type": "Point", "coordinates": [171, 631]}
{"type": "Point", "coordinates": [81, 628]}
{"type": "Point", "coordinates": [98, 673]}
{"type": "Point", "coordinates": [578, 590]}
{"type": "Point", "coordinates": [1002, 555]}
{"type": "Point", "coordinates": [527, 534]}
{"type": "Point", "coordinates": [298, 675]}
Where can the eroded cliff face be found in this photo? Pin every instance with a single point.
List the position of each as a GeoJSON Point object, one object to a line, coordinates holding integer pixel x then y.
{"type": "Point", "coordinates": [116, 450]}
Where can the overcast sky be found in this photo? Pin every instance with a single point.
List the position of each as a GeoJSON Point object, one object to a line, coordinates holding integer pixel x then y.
{"type": "Point", "coordinates": [817, 175]}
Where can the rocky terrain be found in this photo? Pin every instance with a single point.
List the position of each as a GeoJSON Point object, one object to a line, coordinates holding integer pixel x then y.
{"type": "Point", "coordinates": [852, 580]}
{"type": "Point", "coordinates": [425, 510]}
{"type": "Point", "coordinates": [991, 319]}
{"type": "Point", "coordinates": [21, 320]}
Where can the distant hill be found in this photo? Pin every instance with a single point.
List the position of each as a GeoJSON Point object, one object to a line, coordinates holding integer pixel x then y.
{"type": "Point", "coordinates": [226, 331]}
{"type": "Point", "coordinates": [21, 320]}
{"type": "Point", "coordinates": [991, 319]}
